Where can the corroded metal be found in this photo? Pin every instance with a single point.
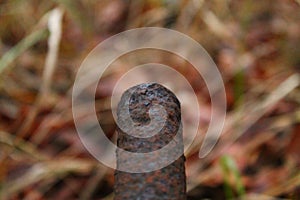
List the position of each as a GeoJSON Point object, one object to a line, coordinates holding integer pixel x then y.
{"type": "Point", "coordinates": [168, 182]}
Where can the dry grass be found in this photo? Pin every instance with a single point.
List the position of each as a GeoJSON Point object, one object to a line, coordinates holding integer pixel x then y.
{"type": "Point", "coordinates": [255, 46]}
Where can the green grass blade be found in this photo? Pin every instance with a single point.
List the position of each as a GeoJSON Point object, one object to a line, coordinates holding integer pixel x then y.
{"type": "Point", "coordinates": [229, 167]}
{"type": "Point", "coordinates": [22, 46]}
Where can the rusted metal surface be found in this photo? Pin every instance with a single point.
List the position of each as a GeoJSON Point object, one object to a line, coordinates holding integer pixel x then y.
{"type": "Point", "coordinates": [168, 182]}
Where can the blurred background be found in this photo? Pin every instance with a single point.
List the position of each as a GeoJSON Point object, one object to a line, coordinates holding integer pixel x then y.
{"type": "Point", "coordinates": [255, 44]}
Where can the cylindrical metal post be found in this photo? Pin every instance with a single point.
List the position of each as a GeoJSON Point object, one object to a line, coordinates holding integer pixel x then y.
{"type": "Point", "coordinates": [168, 182]}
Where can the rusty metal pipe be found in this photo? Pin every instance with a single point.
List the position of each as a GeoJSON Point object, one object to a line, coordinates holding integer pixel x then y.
{"type": "Point", "coordinates": [168, 182]}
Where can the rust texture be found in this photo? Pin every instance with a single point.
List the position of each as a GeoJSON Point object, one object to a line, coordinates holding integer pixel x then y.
{"type": "Point", "coordinates": [168, 182]}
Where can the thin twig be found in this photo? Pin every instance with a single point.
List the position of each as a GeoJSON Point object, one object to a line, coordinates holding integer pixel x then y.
{"type": "Point", "coordinates": [22, 145]}
{"type": "Point", "coordinates": [46, 170]}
